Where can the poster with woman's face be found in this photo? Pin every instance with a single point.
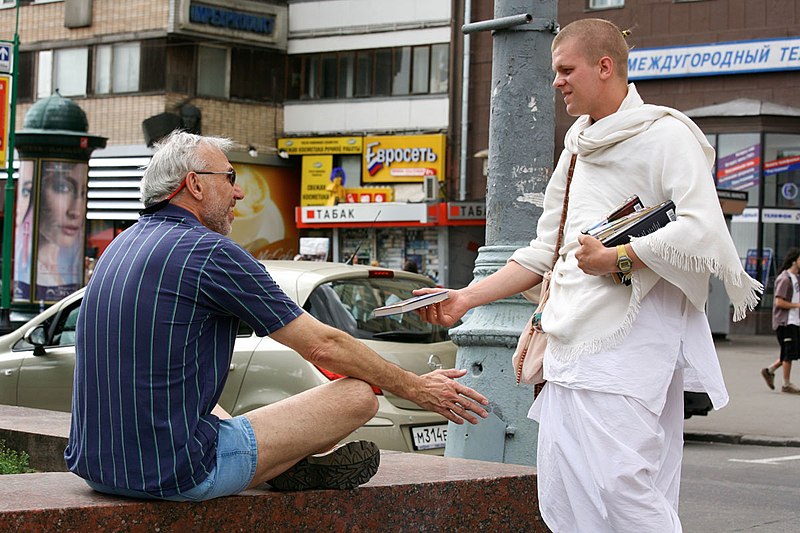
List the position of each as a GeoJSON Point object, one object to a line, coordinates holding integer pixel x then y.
{"type": "Point", "coordinates": [23, 232]}
{"type": "Point", "coordinates": [60, 222]}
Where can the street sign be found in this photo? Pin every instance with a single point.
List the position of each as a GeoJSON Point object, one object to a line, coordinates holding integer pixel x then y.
{"type": "Point", "coordinates": [5, 58]}
{"type": "Point", "coordinates": [5, 95]}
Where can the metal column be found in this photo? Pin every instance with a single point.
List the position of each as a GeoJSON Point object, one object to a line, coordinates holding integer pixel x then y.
{"type": "Point", "coordinates": [521, 144]}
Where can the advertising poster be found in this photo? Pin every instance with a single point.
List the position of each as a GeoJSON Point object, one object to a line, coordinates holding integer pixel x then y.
{"type": "Point", "coordinates": [751, 264]}
{"type": "Point", "coordinates": [23, 232]}
{"type": "Point", "coordinates": [739, 171]}
{"type": "Point", "coordinates": [316, 174]}
{"type": "Point", "coordinates": [403, 158]}
{"type": "Point", "coordinates": [264, 220]}
{"type": "Point", "coordinates": [59, 218]}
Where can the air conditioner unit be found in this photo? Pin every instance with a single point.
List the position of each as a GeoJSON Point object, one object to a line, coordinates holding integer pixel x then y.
{"type": "Point", "coordinates": [431, 188]}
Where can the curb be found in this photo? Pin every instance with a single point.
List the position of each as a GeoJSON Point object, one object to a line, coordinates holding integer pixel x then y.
{"type": "Point", "coordinates": [734, 438]}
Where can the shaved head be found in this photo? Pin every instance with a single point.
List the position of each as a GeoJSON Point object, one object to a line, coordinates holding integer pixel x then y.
{"type": "Point", "coordinates": [597, 38]}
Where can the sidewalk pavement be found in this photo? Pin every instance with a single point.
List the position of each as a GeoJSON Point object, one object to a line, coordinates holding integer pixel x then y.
{"type": "Point", "coordinates": [755, 414]}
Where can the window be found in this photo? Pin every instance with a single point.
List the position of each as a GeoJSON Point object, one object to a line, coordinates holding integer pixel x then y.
{"type": "Point", "coordinates": [257, 74]}
{"type": "Point", "coordinates": [397, 71]}
{"type": "Point", "coordinates": [782, 170]}
{"type": "Point", "coordinates": [116, 68]}
{"type": "Point", "coordinates": [347, 74]}
{"type": "Point", "coordinates": [402, 70]}
{"type": "Point", "coordinates": [603, 4]}
{"type": "Point", "coordinates": [294, 81]}
{"type": "Point", "coordinates": [440, 68]}
{"type": "Point", "coordinates": [25, 66]}
{"type": "Point", "coordinates": [420, 77]}
{"type": "Point", "coordinates": [383, 72]}
{"type": "Point", "coordinates": [328, 82]}
{"type": "Point", "coordinates": [65, 70]}
{"type": "Point", "coordinates": [311, 77]}
{"type": "Point", "coordinates": [347, 305]}
{"type": "Point", "coordinates": [153, 65]}
{"type": "Point", "coordinates": [212, 71]}
{"type": "Point", "coordinates": [363, 73]}
{"type": "Point", "coordinates": [44, 81]}
{"type": "Point", "coordinates": [64, 332]}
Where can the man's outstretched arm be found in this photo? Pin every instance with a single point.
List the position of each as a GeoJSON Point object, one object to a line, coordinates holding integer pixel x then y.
{"type": "Point", "coordinates": [512, 279]}
{"type": "Point", "coordinates": [338, 352]}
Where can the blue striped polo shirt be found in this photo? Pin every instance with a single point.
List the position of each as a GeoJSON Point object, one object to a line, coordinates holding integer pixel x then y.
{"type": "Point", "coordinates": [154, 342]}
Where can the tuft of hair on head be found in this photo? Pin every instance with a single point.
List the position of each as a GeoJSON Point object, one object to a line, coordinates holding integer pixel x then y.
{"type": "Point", "coordinates": [174, 157]}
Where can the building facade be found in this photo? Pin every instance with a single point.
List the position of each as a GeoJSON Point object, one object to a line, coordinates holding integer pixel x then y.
{"type": "Point", "coordinates": [373, 111]}
{"type": "Point", "coordinates": [380, 111]}
{"type": "Point", "coordinates": [734, 67]}
{"type": "Point", "coordinates": [139, 69]}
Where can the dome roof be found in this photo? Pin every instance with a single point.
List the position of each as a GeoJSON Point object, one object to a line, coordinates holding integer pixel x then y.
{"type": "Point", "coordinates": [56, 113]}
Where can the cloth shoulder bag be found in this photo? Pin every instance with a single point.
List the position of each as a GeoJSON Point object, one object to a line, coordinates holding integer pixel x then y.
{"type": "Point", "coordinates": [528, 358]}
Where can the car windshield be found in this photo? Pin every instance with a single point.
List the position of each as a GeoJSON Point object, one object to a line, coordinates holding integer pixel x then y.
{"type": "Point", "coordinates": [347, 305]}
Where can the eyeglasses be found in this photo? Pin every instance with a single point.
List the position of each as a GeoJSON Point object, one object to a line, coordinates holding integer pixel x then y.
{"type": "Point", "coordinates": [231, 178]}
{"type": "Point", "coordinates": [231, 175]}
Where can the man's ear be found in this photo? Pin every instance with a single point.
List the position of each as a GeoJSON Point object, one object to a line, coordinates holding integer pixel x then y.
{"type": "Point", "coordinates": [194, 186]}
{"type": "Point", "coordinates": [605, 67]}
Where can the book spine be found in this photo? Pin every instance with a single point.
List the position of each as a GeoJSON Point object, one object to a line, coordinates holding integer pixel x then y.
{"type": "Point", "coordinates": [645, 226]}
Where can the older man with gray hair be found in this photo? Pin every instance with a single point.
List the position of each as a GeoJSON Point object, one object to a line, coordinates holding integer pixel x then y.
{"type": "Point", "coordinates": [154, 342]}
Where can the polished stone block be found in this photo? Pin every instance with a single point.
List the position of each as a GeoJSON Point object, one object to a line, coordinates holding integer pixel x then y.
{"type": "Point", "coordinates": [410, 492]}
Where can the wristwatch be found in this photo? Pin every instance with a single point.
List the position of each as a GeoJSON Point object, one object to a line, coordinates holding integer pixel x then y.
{"type": "Point", "coordinates": [624, 263]}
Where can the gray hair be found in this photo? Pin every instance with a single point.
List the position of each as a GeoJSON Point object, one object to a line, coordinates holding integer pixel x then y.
{"type": "Point", "coordinates": [177, 155]}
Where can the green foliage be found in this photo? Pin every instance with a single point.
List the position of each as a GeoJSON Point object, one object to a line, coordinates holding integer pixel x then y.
{"type": "Point", "coordinates": [12, 461]}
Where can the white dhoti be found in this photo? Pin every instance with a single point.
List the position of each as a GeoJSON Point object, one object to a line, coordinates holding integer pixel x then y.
{"type": "Point", "coordinates": [607, 464]}
{"type": "Point", "coordinates": [611, 423]}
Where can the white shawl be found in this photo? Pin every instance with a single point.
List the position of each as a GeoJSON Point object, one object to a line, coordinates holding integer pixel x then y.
{"type": "Point", "coordinates": [659, 154]}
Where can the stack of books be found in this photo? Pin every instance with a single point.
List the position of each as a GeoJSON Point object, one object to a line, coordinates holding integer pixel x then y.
{"type": "Point", "coordinates": [636, 224]}
{"type": "Point", "coordinates": [639, 221]}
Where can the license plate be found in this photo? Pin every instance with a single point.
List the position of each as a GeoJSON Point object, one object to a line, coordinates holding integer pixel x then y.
{"type": "Point", "coordinates": [429, 437]}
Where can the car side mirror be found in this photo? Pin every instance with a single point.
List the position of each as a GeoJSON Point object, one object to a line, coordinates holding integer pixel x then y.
{"type": "Point", "coordinates": [38, 338]}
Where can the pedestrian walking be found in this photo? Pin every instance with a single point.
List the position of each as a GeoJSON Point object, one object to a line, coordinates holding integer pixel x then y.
{"type": "Point", "coordinates": [786, 321]}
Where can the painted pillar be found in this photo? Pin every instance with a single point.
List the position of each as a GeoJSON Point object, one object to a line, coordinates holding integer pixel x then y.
{"type": "Point", "coordinates": [521, 144]}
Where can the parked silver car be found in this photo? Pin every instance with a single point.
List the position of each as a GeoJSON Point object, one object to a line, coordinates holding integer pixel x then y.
{"type": "Point", "coordinates": [37, 360]}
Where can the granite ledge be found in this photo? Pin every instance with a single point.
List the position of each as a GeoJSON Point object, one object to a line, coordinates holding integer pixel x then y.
{"type": "Point", "coordinates": [409, 492]}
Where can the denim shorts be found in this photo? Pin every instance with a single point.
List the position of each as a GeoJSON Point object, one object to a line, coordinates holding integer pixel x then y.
{"type": "Point", "coordinates": [237, 458]}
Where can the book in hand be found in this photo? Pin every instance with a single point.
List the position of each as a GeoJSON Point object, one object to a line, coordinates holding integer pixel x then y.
{"type": "Point", "coordinates": [636, 224]}
{"type": "Point", "coordinates": [409, 305]}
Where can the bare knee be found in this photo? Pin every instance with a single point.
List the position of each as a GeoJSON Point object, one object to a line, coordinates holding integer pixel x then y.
{"type": "Point", "coordinates": [359, 398]}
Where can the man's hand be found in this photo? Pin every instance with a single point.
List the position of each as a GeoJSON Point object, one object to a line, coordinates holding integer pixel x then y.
{"type": "Point", "coordinates": [594, 258]}
{"type": "Point", "coordinates": [439, 392]}
{"type": "Point", "coordinates": [445, 313]}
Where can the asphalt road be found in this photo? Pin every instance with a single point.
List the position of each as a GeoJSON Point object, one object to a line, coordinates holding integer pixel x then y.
{"type": "Point", "coordinates": [730, 488]}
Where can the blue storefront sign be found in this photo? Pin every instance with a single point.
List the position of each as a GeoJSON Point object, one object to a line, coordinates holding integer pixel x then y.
{"type": "Point", "coordinates": [714, 59]}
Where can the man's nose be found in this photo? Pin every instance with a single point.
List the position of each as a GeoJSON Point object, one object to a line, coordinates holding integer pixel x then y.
{"type": "Point", "coordinates": [238, 192]}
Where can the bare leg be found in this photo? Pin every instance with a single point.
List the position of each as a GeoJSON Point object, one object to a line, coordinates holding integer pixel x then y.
{"type": "Point", "coordinates": [308, 423]}
{"type": "Point", "coordinates": [787, 371]}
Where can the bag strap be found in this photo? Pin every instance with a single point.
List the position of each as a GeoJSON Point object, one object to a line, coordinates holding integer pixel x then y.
{"type": "Point", "coordinates": [560, 240]}
{"type": "Point", "coordinates": [537, 389]}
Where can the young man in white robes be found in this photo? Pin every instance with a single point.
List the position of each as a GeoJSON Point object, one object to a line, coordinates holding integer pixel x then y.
{"type": "Point", "coordinates": [619, 356]}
